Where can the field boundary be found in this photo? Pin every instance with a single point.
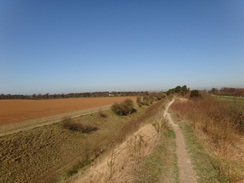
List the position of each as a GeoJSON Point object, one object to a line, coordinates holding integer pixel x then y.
{"type": "Point", "coordinates": [39, 122]}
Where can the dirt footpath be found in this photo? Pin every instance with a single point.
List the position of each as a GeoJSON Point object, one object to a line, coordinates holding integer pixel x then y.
{"type": "Point", "coordinates": [187, 174]}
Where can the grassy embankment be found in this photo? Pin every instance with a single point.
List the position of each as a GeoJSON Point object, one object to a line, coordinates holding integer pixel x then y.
{"type": "Point", "coordinates": [214, 133]}
{"type": "Point", "coordinates": [161, 166]}
{"type": "Point", "coordinates": [52, 153]}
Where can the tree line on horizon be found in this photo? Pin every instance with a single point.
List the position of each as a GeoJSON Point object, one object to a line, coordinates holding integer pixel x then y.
{"type": "Point", "coordinates": [225, 91]}
{"type": "Point", "coordinates": [74, 95]}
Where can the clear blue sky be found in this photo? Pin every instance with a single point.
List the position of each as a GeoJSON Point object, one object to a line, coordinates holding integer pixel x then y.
{"type": "Point", "coordinates": [61, 46]}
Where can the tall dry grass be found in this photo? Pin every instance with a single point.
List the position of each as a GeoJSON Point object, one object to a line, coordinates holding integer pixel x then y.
{"type": "Point", "coordinates": [220, 126]}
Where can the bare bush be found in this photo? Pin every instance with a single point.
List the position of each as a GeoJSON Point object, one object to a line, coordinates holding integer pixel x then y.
{"type": "Point", "coordinates": [69, 124]}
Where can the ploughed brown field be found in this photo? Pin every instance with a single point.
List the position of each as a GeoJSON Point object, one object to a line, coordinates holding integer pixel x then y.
{"type": "Point", "coordinates": [21, 110]}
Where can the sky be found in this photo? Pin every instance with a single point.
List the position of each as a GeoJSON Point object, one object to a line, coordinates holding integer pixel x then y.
{"type": "Point", "coordinates": [61, 46]}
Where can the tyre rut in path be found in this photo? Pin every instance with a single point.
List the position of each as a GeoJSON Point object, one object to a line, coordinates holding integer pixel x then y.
{"type": "Point", "coordinates": [187, 174]}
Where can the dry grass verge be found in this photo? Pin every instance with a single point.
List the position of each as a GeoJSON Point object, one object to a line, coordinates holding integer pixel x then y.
{"type": "Point", "coordinates": [219, 126]}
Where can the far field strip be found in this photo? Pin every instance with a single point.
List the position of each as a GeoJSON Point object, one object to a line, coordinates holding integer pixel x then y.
{"type": "Point", "coordinates": [30, 124]}
{"type": "Point", "coordinates": [12, 111]}
{"type": "Point", "coordinates": [187, 174]}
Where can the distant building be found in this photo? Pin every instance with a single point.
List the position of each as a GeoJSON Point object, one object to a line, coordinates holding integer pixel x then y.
{"type": "Point", "coordinates": [111, 95]}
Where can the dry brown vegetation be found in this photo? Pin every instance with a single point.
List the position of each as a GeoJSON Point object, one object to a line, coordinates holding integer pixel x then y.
{"type": "Point", "coordinates": [21, 110]}
{"type": "Point", "coordinates": [51, 153]}
{"type": "Point", "coordinates": [219, 125]}
{"type": "Point", "coordinates": [124, 162]}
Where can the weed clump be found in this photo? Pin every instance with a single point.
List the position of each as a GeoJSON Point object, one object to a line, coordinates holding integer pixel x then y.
{"type": "Point", "coordinates": [69, 124]}
{"type": "Point", "coordinates": [102, 114]}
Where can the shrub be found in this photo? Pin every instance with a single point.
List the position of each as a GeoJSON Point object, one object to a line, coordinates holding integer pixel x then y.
{"type": "Point", "coordinates": [195, 93]}
{"type": "Point", "coordinates": [148, 99]}
{"type": "Point", "coordinates": [124, 108]}
{"type": "Point", "coordinates": [69, 124]}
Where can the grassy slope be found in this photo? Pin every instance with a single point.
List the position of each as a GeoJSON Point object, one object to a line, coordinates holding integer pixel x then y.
{"type": "Point", "coordinates": [40, 155]}
{"type": "Point", "coordinates": [42, 151]}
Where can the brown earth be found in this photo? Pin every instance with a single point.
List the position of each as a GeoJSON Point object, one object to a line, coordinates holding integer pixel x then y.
{"type": "Point", "coordinates": [12, 111]}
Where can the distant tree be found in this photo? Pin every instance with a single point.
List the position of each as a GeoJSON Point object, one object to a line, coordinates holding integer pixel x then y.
{"type": "Point", "coordinates": [213, 91]}
{"type": "Point", "coordinates": [184, 90]}
{"type": "Point", "coordinates": [178, 89]}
